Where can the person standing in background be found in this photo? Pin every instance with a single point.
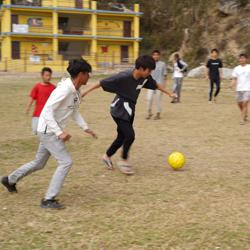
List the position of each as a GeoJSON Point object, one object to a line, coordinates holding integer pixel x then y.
{"type": "Point", "coordinates": [159, 75]}
{"type": "Point", "coordinates": [40, 94]}
{"type": "Point", "coordinates": [180, 67]}
{"type": "Point", "coordinates": [214, 74]}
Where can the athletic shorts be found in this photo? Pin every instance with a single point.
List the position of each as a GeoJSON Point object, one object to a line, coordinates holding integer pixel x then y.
{"type": "Point", "coordinates": [243, 96]}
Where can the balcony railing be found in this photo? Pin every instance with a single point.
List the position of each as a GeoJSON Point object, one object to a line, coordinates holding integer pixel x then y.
{"type": "Point", "coordinates": [121, 7]}
{"type": "Point", "coordinates": [35, 3]}
{"type": "Point", "coordinates": [27, 29]}
{"type": "Point", "coordinates": [115, 33]}
{"type": "Point", "coordinates": [74, 4]}
{"type": "Point", "coordinates": [75, 31]}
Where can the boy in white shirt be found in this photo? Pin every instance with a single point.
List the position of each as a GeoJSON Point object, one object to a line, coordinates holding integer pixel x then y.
{"type": "Point", "coordinates": [241, 80]}
{"type": "Point", "coordinates": [62, 105]}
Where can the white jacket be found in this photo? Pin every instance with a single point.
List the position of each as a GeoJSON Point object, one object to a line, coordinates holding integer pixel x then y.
{"type": "Point", "coordinates": [62, 105]}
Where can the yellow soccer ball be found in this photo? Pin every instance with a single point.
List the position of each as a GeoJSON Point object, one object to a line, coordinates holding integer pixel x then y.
{"type": "Point", "coordinates": [176, 160]}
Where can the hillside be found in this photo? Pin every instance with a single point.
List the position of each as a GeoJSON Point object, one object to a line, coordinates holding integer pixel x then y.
{"type": "Point", "coordinates": [195, 26]}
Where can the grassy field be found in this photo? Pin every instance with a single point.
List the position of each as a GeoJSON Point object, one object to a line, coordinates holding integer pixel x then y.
{"type": "Point", "coordinates": [205, 206]}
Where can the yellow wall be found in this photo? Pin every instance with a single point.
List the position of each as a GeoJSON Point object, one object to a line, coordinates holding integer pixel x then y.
{"type": "Point", "coordinates": [114, 52]}
{"type": "Point", "coordinates": [46, 20]}
{"type": "Point", "coordinates": [112, 26]}
{"type": "Point", "coordinates": [42, 47]}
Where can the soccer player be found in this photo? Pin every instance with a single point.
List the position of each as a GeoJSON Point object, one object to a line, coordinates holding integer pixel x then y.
{"type": "Point", "coordinates": [159, 75]}
{"type": "Point", "coordinates": [40, 94]}
{"type": "Point", "coordinates": [127, 87]}
{"type": "Point", "coordinates": [180, 68]}
{"type": "Point", "coordinates": [241, 80]}
{"type": "Point", "coordinates": [214, 74]}
{"type": "Point", "coordinates": [62, 104]}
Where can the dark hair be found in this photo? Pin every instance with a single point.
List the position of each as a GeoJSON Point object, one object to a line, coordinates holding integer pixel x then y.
{"type": "Point", "coordinates": [243, 55]}
{"type": "Point", "coordinates": [78, 65]}
{"type": "Point", "coordinates": [215, 50]}
{"type": "Point", "coordinates": [145, 62]}
{"type": "Point", "coordinates": [177, 56]}
{"type": "Point", "coordinates": [46, 69]}
{"type": "Point", "coordinates": [156, 51]}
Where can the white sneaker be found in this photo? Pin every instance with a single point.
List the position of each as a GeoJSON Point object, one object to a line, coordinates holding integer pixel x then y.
{"type": "Point", "coordinates": [125, 168]}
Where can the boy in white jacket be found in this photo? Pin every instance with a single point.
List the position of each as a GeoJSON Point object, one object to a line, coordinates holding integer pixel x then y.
{"type": "Point", "coordinates": [62, 105]}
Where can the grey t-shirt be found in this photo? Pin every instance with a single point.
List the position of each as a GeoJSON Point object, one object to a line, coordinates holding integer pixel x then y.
{"type": "Point", "coordinates": [160, 72]}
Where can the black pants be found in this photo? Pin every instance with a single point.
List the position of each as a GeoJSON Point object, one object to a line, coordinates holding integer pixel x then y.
{"type": "Point", "coordinates": [217, 83]}
{"type": "Point", "coordinates": [125, 137]}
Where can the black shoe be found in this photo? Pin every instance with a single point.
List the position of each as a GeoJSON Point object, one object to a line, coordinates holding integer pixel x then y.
{"type": "Point", "coordinates": [53, 204]}
{"type": "Point", "coordinates": [11, 187]}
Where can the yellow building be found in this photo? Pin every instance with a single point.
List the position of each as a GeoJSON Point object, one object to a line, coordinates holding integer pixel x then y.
{"type": "Point", "coordinates": [36, 33]}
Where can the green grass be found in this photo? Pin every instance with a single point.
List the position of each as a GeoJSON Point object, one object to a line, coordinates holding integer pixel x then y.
{"type": "Point", "coordinates": [205, 206]}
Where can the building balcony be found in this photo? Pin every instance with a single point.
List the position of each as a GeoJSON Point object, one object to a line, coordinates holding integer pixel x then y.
{"type": "Point", "coordinates": [75, 31]}
{"type": "Point", "coordinates": [114, 33]}
{"type": "Point", "coordinates": [73, 5]}
{"type": "Point", "coordinates": [25, 29]}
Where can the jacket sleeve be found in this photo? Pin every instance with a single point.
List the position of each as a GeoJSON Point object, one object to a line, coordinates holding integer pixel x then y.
{"type": "Point", "coordinates": [54, 101]}
{"type": "Point", "coordinates": [76, 116]}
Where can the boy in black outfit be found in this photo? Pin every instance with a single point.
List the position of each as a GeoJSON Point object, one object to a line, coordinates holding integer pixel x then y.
{"type": "Point", "coordinates": [214, 73]}
{"type": "Point", "coordinates": [127, 86]}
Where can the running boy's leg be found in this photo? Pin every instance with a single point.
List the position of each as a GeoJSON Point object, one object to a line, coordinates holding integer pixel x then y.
{"type": "Point", "coordinates": [129, 139]}
{"type": "Point", "coordinates": [211, 90]}
{"type": "Point", "coordinates": [217, 82]}
{"type": "Point", "coordinates": [125, 138]}
{"type": "Point", "coordinates": [58, 150]}
{"type": "Point", "coordinates": [118, 142]}
{"type": "Point", "coordinates": [40, 161]}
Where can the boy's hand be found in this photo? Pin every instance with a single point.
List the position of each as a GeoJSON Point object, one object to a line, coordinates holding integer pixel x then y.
{"type": "Point", "coordinates": [64, 136]}
{"type": "Point", "coordinates": [90, 132]}
{"type": "Point", "coordinates": [173, 95]}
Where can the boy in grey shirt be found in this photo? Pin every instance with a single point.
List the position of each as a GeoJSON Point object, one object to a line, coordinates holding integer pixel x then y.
{"type": "Point", "coordinates": [159, 75]}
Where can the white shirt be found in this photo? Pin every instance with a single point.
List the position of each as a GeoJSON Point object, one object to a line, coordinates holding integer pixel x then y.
{"type": "Point", "coordinates": [177, 71]}
{"type": "Point", "coordinates": [62, 105]}
{"type": "Point", "coordinates": [242, 73]}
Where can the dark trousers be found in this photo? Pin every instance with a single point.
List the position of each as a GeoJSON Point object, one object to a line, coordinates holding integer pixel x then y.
{"type": "Point", "coordinates": [125, 137]}
{"type": "Point", "coordinates": [217, 83]}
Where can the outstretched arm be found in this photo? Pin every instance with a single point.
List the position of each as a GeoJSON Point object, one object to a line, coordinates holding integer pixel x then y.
{"type": "Point", "coordinates": [91, 88]}
{"type": "Point", "coordinates": [162, 89]}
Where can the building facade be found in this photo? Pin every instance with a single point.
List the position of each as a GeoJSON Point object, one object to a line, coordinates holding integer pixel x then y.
{"type": "Point", "coordinates": [37, 33]}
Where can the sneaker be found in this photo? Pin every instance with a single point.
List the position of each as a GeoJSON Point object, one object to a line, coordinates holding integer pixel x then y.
{"type": "Point", "coordinates": [53, 204]}
{"type": "Point", "coordinates": [125, 168]}
{"type": "Point", "coordinates": [107, 162]}
{"type": "Point", "coordinates": [11, 187]}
